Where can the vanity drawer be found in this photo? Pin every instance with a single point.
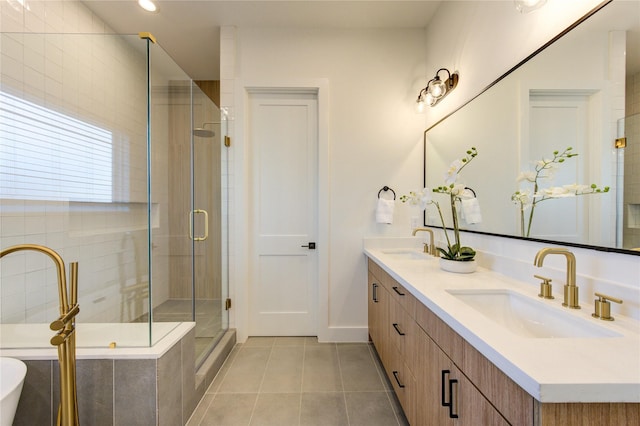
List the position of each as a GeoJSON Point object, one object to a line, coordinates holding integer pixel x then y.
{"type": "Point", "coordinates": [403, 382]}
{"type": "Point", "coordinates": [395, 289]}
{"type": "Point", "coordinates": [402, 331]}
{"type": "Point", "coordinates": [401, 296]}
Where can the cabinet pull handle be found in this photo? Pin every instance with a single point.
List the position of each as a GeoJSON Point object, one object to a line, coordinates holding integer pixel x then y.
{"type": "Point", "coordinates": [374, 295]}
{"type": "Point", "coordinates": [452, 398]}
{"type": "Point", "coordinates": [395, 376]}
{"type": "Point", "coordinates": [397, 291]}
{"type": "Point", "coordinates": [443, 388]}
{"type": "Point", "coordinates": [395, 325]}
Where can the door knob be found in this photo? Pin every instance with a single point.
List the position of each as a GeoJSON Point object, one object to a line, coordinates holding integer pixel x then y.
{"type": "Point", "coordinates": [310, 246]}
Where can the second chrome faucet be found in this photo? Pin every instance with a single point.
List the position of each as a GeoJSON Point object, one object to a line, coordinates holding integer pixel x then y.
{"type": "Point", "coordinates": [570, 288]}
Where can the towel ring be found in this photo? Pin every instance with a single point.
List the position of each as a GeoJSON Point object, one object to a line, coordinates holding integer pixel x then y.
{"type": "Point", "coordinates": [472, 191]}
{"type": "Point", "coordinates": [386, 188]}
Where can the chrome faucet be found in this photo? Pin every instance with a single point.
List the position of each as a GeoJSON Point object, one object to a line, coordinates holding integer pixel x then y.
{"type": "Point", "coordinates": [570, 288]}
{"type": "Point", "coordinates": [428, 248]}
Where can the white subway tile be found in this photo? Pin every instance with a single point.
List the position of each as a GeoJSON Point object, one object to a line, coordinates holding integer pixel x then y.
{"type": "Point", "coordinates": [11, 17]}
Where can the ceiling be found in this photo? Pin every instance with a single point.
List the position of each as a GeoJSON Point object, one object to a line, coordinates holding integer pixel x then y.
{"type": "Point", "coordinates": [190, 30]}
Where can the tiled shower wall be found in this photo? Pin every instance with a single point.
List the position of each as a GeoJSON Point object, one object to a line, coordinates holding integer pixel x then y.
{"type": "Point", "coordinates": [99, 79]}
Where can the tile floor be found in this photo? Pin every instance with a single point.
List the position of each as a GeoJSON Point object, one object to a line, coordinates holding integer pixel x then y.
{"type": "Point", "coordinates": [282, 381]}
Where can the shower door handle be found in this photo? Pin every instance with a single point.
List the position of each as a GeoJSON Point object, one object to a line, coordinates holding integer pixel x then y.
{"type": "Point", "coordinates": [206, 225]}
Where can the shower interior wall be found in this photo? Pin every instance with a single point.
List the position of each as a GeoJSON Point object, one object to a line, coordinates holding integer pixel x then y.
{"type": "Point", "coordinates": [189, 108]}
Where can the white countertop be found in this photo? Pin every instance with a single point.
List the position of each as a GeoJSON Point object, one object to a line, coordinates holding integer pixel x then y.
{"type": "Point", "coordinates": [594, 369]}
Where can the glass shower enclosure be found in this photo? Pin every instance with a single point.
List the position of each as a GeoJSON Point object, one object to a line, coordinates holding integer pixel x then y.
{"type": "Point", "coordinates": [113, 157]}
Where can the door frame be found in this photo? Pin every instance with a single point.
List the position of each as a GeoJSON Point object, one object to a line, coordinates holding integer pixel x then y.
{"type": "Point", "coordinates": [241, 205]}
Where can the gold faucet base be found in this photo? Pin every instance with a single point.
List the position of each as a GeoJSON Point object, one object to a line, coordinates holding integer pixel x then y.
{"type": "Point", "coordinates": [602, 307]}
{"type": "Point", "coordinates": [571, 297]}
{"type": "Point", "coordinates": [603, 319]}
{"type": "Point", "coordinates": [566, 305]}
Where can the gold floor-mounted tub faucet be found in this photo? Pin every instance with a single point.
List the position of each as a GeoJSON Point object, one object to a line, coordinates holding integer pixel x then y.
{"type": "Point", "coordinates": [65, 338]}
{"type": "Point", "coordinates": [570, 288]}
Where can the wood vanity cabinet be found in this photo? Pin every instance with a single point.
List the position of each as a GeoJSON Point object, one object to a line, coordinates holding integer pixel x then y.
{"type": "Point", "coordinates": [430, 385]}
{"type": "Point", "coordinates": [440, 379]}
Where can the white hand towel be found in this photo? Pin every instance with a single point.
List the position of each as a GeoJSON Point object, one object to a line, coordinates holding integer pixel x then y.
{"type": "Point", "coordinates": [471, 211]}
{"type": "Point", "coordinates": [384, 211]}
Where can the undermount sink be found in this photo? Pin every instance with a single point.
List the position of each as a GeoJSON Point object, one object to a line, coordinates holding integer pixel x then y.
{"type": "Point", "coordinates": [528, 317]}
{"type": "Point", "coordinates": [406, 253]}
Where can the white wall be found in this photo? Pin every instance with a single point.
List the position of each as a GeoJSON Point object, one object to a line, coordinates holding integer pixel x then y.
{"type": "Point", "coordinates": [375, 137]}
{"type": "Point", "coordinates": [374, 140]}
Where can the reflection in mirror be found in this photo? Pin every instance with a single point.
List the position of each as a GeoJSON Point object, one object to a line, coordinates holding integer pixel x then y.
{"type": "Point", "coordinates": [573, 94]}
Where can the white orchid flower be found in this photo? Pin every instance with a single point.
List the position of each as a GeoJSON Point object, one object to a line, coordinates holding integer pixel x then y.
{"type": "Point", "coordinates": [544, 164]}
{"type": "Point", "coordinates": [548, 170]}
{"type": "Point", "coordinates": [557, 192]}
{"type": "Point", "coordinates": [425, 198]}
{"type": "Point", "coordinates": [522, 198]}
{"type": "Point", "coordinates": [577, 188]}
{"type": "Point", "coordinates": [421, 198]}
{"type": "Point", "coordinates": [451, 174]}
{"type": "Point", "coordinates": [528, 176]}
{"type": "Point", "coordinates": [458, 190]}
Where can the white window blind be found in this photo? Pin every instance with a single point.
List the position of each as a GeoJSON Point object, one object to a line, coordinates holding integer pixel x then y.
{"type": "Point", "coordinates": [45, 155]}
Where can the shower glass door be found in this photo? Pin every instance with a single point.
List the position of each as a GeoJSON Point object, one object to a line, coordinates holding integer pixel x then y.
{"type": "Point", "coordinates": [206, 219]}
{"type": "Point", "coordinates": [186, 202]}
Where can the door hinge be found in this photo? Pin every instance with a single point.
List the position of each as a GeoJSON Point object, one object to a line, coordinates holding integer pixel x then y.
{"type": "Point", "coordinates": [227, 141]}
{"type": "Point", "coordinates": [621, 143]}
{"type": "Point", "coordinates": [227, 304]}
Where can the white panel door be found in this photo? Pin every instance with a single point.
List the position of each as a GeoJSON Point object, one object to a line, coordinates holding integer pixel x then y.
{"type": "Point", "coordinates": [283, 132]}
{"type": "Point", "coordinates": [555, 124]}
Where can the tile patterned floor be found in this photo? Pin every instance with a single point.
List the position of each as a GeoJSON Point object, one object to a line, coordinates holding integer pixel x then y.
{"type": "Point", "coordinates": [283, 381]}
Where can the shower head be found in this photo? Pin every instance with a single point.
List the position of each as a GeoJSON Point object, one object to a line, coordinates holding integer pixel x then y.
{"type": "Point", "coordinates": [204, 133]}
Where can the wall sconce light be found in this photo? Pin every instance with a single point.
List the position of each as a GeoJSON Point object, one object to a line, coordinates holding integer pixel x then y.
{"type": "Point", "coordinates": [436, 89]}
{"type": "Point", "coordinates": [526, 6]}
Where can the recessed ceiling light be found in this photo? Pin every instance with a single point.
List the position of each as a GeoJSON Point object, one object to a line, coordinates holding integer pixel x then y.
{"type": "Point", "coordinates": [526, 6]}
{"type": "Point", "coordinates": [148, 5]}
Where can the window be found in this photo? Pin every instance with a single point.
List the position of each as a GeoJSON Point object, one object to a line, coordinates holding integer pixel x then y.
{"type": "Point", "coordinates": [45, 155]}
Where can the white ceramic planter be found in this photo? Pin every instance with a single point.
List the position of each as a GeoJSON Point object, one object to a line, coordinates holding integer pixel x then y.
{"type": "Point", "coordinates": [458, 267]}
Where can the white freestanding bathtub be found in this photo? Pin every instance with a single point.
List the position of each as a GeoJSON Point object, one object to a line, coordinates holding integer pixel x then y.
{"type": "Point", "coordinates": [12, 374]}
